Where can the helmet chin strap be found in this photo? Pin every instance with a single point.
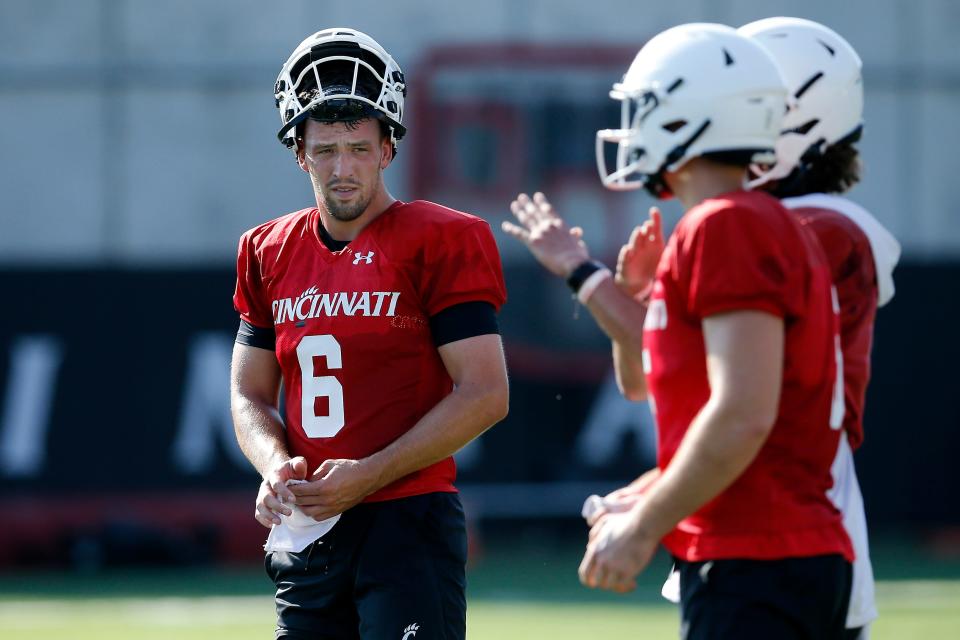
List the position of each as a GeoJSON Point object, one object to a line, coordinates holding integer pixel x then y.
{"type": "Point", "coordinates": [656, 184]}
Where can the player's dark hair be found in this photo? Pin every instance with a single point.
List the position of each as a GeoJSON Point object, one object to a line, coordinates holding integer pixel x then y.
{"type": "Point", "coordinates": [835, 171]}
{"type": "Point", "coordinates": [352, 125]}
{"type": "Point", "coordinates": [336, 79]}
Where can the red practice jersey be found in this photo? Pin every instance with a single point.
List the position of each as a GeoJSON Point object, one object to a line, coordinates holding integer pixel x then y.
{"type": "Point", "coordinates": [744, 251]}
{"type": "Point", "coordinates": [353, 341]}
{"type": "Point", "coordinates": [854, 275]}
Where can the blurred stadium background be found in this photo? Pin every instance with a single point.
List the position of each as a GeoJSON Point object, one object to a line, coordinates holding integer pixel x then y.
{"type": "Point", "coordinates": [138, 143]}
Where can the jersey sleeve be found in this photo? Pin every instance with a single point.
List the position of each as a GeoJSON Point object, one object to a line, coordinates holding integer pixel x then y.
{"type": "Point", "coordinates": [731, 261]}
{"type": "Point", "coordinates": [463, 265]}
{"type": "Point", "coordinates": [249, 297]}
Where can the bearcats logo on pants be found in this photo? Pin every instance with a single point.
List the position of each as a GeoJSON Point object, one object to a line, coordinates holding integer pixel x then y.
{"type": "Point", "coordinates": [410, 631]}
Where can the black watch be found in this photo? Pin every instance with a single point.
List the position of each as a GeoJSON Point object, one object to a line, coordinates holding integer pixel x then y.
{"type": "Point", "coordinates": [579, 275]}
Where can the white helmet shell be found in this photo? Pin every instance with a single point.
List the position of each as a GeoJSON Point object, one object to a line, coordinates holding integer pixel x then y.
{"type": "Point", "coordinates": [340, 64]}
{"type": "Point", "coordinates": [823, 75]}
{"type": "Point", "coordinates": [694, 89]}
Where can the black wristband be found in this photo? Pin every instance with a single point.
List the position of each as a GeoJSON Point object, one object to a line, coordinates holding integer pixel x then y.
{"type": "Point", "coordinates": [579, 275]}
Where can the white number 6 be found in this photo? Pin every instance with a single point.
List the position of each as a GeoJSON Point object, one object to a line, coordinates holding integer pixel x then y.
{"type": "Point", "coordinates": [313, 387]}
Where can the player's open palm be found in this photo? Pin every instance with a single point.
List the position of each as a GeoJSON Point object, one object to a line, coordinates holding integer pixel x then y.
{"type": "Point", "coordinates": [637, 263]}
{"type": "Point", "coordinates": [555, 245]}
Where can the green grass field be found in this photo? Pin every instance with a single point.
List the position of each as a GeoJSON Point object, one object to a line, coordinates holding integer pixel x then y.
{"type": "Point", "coordinates": [926, 609]}
{"type": "Point", "coordinates": [513, 595]}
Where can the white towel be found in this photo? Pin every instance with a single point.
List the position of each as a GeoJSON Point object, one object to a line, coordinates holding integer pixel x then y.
{"type": "Point", "coordinates": [671, 587]}
{"type": "Point", "coordinates": [296, 531]}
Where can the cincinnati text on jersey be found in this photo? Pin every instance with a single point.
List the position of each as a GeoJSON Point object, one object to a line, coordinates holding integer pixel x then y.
{"type": "Point", "coordinates": [312, 304]}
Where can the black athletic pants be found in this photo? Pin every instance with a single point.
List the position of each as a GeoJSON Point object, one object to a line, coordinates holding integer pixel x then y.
{"type": "Point", "coordinates": [789, 599]}
{"type": "Point", "coordinates": [392, 569]}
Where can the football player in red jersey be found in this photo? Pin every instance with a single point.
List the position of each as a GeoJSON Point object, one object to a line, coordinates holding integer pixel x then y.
{"type": "Point", "coordinates": [737, 350]}
{"type": "Point", "coordinates": [816, 160]}
{"type": "Point", "coordinates": [378, 317]}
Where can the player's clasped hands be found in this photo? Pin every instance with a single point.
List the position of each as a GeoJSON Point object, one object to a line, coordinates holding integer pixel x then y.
{"type": "Point", "coordinates": [334, 487]}
{"type": "Point", "coordinates": [619, 500]}
{"type": "Point", "coordinates": [617, 552]}
{"type": "Point", "coordinates": [555, 245]}
{"type": "Point", "coordinates": [618, 548]}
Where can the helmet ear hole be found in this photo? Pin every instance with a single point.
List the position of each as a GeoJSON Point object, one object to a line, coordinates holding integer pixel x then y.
{"type": "Point", "coordinates": [674, 125]}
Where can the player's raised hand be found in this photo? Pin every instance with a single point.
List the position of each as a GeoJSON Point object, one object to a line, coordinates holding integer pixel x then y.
{"type": "Point", "coordinates": [274, 494]}
{"type": "Point", "coordinates": [637, 262]}
{"type": "Point", "coordinates": [618, 550]}
{"type": "Point", "coordinates": [334, 487]}
{"type": "Point", "coordinates": [555, 245]}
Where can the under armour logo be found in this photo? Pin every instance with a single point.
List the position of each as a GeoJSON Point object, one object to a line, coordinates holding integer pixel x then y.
{"type": "Point", "coordinates": [366, 258]}
{"type": "Point", "coordinates": [410, 631]}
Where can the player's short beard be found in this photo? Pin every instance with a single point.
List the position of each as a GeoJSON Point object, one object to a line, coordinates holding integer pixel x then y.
{"type": "Point", "coordinates": [347, 212]}
{"type": "Point", "coordinates": [340, 211]}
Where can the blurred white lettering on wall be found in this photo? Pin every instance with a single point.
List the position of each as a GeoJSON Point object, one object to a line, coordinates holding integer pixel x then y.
{"type": "Point", "coordinates": [34, 364]}
{"type": "Point", "coordinates": [205, 412]}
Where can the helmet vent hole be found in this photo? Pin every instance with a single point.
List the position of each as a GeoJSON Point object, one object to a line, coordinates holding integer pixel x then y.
{"type": "Point", "coordinates": [727, 58]}
{"type": "Point", "coordinates": [829, 49]}
{"type": "Point", "coordinates": [809, 83]}
{"type": "Point", "coordinates": [674, 126]}
{"type": "Point", "coordinates": [676, 84]}
{"type": "Point", "coordinates": [805, 128]}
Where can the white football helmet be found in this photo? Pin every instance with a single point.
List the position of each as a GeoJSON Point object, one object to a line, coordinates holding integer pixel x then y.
{"type": "Point", "coordinates": [340, 74]}
{"type": "Point", "coordinates": [822, 72]}
{"type": "Point", "coordinates": [696, 89]}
